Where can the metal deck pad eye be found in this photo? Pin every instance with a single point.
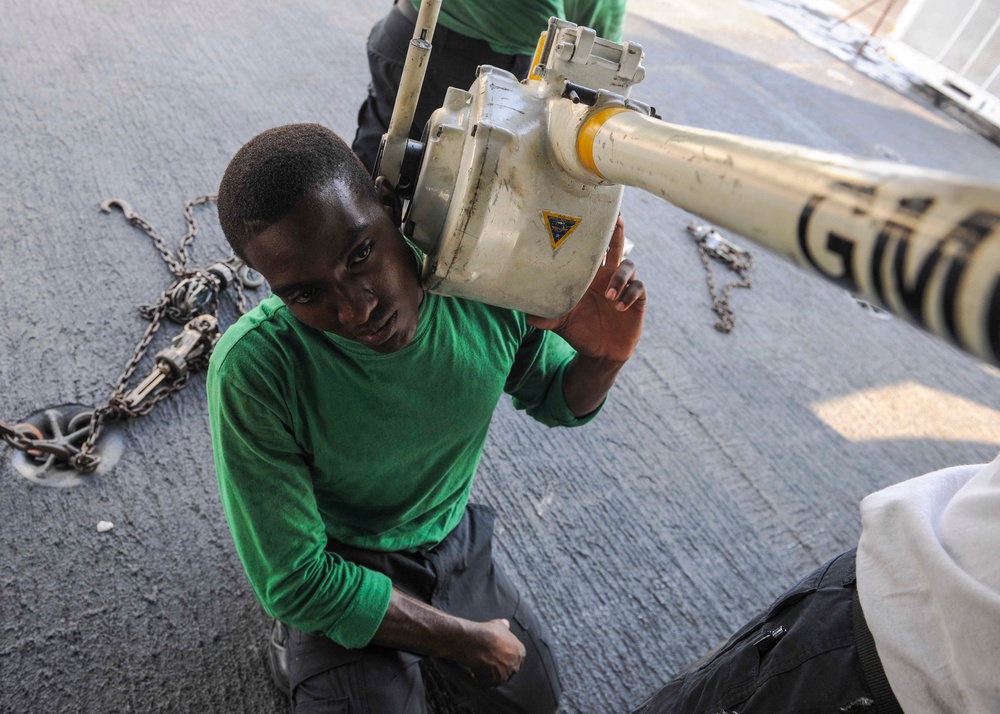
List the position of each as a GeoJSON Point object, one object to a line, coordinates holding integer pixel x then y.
{"type": "Point", "coordinates": [63, 430]}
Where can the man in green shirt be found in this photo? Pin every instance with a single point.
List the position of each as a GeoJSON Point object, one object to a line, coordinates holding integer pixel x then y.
{"type": "Point", "coordinates": [349, 411]}
{"type": "Point", "coordinates": [469, 33]}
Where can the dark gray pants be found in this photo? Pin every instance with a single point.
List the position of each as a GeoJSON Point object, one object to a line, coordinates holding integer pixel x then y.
{"type": "Point", "coordinates": [453, 63]}
{"type": "Point", "coordinates": [804, 655]}
{"type": "Point", "coordinates": [460, 577]}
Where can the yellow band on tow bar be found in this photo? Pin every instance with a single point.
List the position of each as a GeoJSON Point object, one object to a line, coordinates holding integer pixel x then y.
{"type": "Point", "coordinates": [588, 133]}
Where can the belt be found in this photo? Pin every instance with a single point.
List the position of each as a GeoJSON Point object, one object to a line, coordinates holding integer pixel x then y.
{"type": "Point", "coordinates": [871, 665]}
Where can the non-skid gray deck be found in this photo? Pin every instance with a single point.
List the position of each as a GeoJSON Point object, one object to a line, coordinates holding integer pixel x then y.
{"type": "Point", "coordinates": [708, 484]}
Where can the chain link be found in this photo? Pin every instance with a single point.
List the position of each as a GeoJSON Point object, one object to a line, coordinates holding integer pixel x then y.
{"type": "Point", "coordinates": [712, 246]}
{"type": "Point", "coordinates": [195, 293]}
{"type": "Point", "coordinates": [19, 435]}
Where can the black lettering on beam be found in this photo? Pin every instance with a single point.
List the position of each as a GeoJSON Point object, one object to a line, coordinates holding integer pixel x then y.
{"type": "Point", "coordinates": [837, 244]}
{"type": "Point", "coordinates": [968, 235]}
{"type": "Point", "coordinates": [892, 234]}
{"type": "Point", "coordinates": [955, 248]}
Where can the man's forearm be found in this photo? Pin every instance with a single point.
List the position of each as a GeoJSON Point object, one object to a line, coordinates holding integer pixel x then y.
{"type": "Point", "coordinates": [587, 382]}
{"type": "Point", "coordinates": [415, 626]}
{"type": "Point", "coordinates": [489, 649]}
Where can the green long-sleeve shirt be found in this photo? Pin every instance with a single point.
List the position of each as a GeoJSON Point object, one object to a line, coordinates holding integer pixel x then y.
{"type": "Point", "coordinates": [512, 27]}
{"type": "Point", "coordinates": [318, 437]}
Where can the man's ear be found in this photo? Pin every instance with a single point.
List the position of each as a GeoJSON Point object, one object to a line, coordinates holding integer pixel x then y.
{"type": "Point", "coordinates": [389, 199]}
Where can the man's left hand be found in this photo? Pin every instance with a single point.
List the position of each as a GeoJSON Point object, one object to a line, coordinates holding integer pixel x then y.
{"type": "Point", "coordinates": [607, 322]}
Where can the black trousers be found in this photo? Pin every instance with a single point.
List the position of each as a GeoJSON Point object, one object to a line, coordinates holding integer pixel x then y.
{"type": "Point", "coordinates": [453, 62]}
{"type": "Point", "coordinates": [460, 577]}
{"type": "Point", "coordinates": [800, 656]}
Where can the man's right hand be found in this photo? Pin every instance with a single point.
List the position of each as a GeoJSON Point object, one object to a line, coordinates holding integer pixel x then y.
{"type": "Point", "coordinates": [490, 651]}
{"type": "Point", "coordinates": [495, 655]}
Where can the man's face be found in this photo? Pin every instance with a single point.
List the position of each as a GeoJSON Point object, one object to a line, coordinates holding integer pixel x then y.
{"type": "Point", "coordinates": [340, 264]}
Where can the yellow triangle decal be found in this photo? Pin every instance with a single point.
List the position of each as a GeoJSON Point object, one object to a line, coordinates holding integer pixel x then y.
{"type": "Point", "coordinates": [559, 227]}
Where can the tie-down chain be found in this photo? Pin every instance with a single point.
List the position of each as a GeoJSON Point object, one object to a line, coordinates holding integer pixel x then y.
{"type": "Point", "coordinates": [191, 300]}
{"type": "Point", "coordinates": [713, 246]}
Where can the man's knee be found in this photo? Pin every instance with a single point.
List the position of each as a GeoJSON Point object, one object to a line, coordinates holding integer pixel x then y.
{"type": "Point", "coordinates": [540, 672]}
